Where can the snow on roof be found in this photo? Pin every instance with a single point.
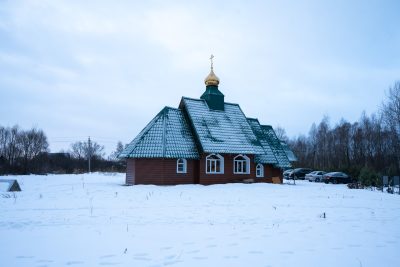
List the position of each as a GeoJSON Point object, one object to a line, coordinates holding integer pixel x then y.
{"type": "Point", "coordinates": [268, 156]}
{"type": "Point", "coordinates": [166, 136]}
{"type": "Point", "coordinates": [276, 147]}
{"type": "Point", "coordinates": [289, 153]}
{"type": "Point", "coordinates": [221, 131]}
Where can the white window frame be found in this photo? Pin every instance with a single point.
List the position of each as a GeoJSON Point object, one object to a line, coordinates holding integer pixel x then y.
{"type": "Point", "coordinates": [212, 163]}
{"type": "Point", "coordinates": [259, 170]}
{"type": "Point", "coordinates": [181, 163]}
{"type": "Point", "coordinates": [242, 165]}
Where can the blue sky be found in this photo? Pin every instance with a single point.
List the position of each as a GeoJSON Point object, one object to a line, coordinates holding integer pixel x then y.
{"type": "Point", "coordinates": [106, 68]}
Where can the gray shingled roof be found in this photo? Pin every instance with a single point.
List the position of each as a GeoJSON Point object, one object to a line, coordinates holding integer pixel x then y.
{"type": "Point", "coordinates": [166, 136]}
{"type": "Point", "coordinates": [221, 131]}
{"type": "Point", "coordinates": [289, 153]}
{"type": "Point", "coordinates": [276, 146]}
{"type": "Point", "coordinates": [268, 156]}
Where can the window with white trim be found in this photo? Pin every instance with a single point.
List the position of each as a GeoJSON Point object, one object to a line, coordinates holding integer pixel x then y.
{"type": "Point", "coordinates": [181, 166]}
{"type": "Point", "coordinates": [214, 163]}
{"type": "Point", "coordinates": [259, 170]}
{"type": "Point", "coordinates": [241, 164]}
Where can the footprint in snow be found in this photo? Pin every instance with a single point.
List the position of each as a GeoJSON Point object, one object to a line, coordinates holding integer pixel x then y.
{"type": "Point", "coordinates": [231, 257]}
{"type": "Point", "coordinates": [172, 262]}
{"type": "Point", "coordinates": [256, 252]}
{"type": "Point", "coordinates": [287, 252]}
{"type": "Point", "coordinates": [109, 263]}
{"type": "Point", "coordinates": [140, 258]}
{"type": "Point", "coordinates": [170, 257]}
{"type": "Point", "coordinates": [140, 254]}
{"type": "Point", "coordinates": [25, 257]}
{"type": "Point", "coordinates": [200, 258]}
{"type": "Point", "coordinates": [107, 256]}
{"type": "Point", "coordinates": [74, 262]}
{"type": "Point", "coordinates": [44, 261]}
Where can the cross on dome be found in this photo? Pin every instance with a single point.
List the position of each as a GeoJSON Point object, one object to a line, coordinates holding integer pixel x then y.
{"type": "Point", "coordinates": [211, 79]}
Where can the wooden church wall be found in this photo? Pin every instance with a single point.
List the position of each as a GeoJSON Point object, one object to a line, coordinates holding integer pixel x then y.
{"type": "Point", "coordinates": [163, 172]}
{"type": "Point", "coordinates": [159, 172]}
{"type": "Point", "coordinates": [228, 176]}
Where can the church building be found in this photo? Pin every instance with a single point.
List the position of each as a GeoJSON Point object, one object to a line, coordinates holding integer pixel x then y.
{"type": "Point", "coordinates": [205, 141]}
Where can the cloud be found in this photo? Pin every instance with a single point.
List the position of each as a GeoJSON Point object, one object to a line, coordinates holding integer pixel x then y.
{"type": "Point", "coordinates": [108, 67]}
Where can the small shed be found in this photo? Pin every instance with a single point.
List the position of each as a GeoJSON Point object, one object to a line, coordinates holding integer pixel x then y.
{"type": "Point", "coordinates": [9, 185]}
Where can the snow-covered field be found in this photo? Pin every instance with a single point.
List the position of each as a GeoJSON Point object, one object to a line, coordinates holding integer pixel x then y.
{"type": "Point", "coordinates": [91, 220]}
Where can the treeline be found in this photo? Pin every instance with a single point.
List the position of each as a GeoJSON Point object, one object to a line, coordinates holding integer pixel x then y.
{"type": "Point", "coordinates": [365, 149]}
{"type": "Point", "coordinates": [27, 151]}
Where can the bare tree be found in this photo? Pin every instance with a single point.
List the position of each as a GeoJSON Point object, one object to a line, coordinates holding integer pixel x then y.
{"type": "Point", "coordinates": [118, 150]}
{"type": "Point", "coordinates": [82, 150]}
{"type": "Point", "coordinates": [32, 142]}
{"type": "Point", "coordinates": [281, 133]}
{"type": "Point", "coordinates": [391, 115]}
{"type": "Point", "coordinates": [77, 150]}
{"type": "Point", "coordinates": [13, 147]}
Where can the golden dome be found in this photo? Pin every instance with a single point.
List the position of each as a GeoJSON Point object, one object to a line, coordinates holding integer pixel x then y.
{"type": "Point", "coordinates": [211, 78]}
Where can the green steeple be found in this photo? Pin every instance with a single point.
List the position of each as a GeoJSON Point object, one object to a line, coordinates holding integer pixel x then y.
{"type": "Point", "coordinates": [213, 97]}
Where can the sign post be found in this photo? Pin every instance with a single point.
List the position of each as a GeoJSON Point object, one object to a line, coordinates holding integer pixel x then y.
{"type": "Point", "coordinates": [385, 181]}
{"type": "Point", "coordinates": [396, 182]}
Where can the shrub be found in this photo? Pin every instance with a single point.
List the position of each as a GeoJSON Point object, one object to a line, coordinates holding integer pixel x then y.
{"type": "Point", "coordinates": [369, 177]}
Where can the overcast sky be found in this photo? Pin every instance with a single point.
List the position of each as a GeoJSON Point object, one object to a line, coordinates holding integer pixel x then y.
{"type": "Point", "coordinates": [105, 68]}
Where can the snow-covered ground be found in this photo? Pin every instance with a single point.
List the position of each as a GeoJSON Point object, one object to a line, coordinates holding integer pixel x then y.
{"type": "Point", "coordinates": [92, 220]}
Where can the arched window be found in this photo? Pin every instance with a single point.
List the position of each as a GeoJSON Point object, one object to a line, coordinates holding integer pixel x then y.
{"type": "Point", "coordinates": [181, 166]}
{"type": "Point", "coordinates": [259, 170]}
{"type": "Point", "coordinates": [241, 165]}
{"type": "Point", "coordinates": [214, 163]}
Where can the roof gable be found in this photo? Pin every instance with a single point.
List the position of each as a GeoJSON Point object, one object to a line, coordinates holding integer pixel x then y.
{"type": "Point", "coordinates": [268, 156]}
{"type": "Point", "coordinates": [166, 136]}
{"type": "Point", "coordinates": [276, 146]}
{"type": "Point", "coordinates": [221, 131]}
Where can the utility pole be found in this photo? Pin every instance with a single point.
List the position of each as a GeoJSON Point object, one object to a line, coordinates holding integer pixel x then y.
{"type": "Point", "coordinates": [89, 151]}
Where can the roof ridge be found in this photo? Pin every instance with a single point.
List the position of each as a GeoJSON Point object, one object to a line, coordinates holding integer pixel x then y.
{"type": "Point", "coordinates": [164, 137]}
{"type": "Point", "coordinates": [197, 99]}
{"type": "Point", "coordinates": [233, 104]}
{"type": "Point", "coordinates": [168, 107]}
{"type": "Point", "coordinates": [144, 131]}
{"type": "Point", "coordinates": [191, 98]}
{"type": "Point", "coordinates": [253, 119]}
